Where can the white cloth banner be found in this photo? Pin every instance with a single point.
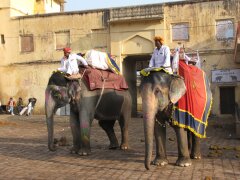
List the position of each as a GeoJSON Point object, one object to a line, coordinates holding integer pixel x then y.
{"type": "Point", "coordinates": [97, 59]}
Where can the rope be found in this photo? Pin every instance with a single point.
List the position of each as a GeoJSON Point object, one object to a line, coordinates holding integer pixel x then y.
{"type": "Point", "coordinates": [99, 99]}
{"type": "Point", "coordinates": [160, 124]}
{"type": "Point", "coordinates": [80, 80]}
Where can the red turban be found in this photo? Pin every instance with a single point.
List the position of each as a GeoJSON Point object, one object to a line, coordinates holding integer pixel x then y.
{"type": "Point", "coordinates": [67, 50]}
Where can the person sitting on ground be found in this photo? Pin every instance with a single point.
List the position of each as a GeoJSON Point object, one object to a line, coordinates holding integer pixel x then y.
{"type": "Point", "coordinates": [19, 105]}
{"type": "Point", "coordinates": [161, 55]}
{"type": "Point", "coordinates": [69, 62]}
{"type": "Point", "coordinates": [11, 105]}
{"type": "Point", "coordinates": [29, 107]}
{"type": "Point", "coordinates": [1, 109]}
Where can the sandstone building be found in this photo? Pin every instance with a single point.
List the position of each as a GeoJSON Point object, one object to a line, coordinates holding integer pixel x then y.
{"type": "Point", "coordinates": [34, 32]}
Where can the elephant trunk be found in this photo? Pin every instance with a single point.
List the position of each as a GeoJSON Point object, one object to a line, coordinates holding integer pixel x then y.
{"type": "Point", "coordinates": [148, 131]}
{"type": "Point", "coordinates": [149, 112]}
{"type": "Point", "coordinates": [49, 111]}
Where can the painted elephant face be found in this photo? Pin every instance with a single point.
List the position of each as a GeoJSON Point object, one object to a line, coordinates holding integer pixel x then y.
{"type": "Point", "coordinates": [160, 89]}
{"type": "Point", "coordinates": [74, 90]}
{"type": "Point", "coordinates": [58, 94]}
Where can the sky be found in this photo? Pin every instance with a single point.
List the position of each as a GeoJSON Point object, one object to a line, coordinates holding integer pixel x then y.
{"type": "Point", "coordinates": [79, 5]}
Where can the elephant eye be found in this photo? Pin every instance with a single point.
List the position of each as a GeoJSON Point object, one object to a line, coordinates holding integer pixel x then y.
{"type": "Point", "coordinates": [157, 90]}
{"type": "Point", "coordinates": [56, 94]}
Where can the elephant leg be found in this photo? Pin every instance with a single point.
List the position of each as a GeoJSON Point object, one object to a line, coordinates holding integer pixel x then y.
{"type": "Point", "coordinates": [123, 122]}
{"type": "Point", "coordinates": [190, 140]}
{"type": "Point", "coordinates": [160, 138]}
{"type": "Point", "coordinates": [183, 153]}
{"type": "Point", "coordinates": [196, 149]}
{"type": "Point", "coordinates": [75, 128]}
{"type": "Point", "coordinates": [50, 111]}
{"type": "Point", "coordinates": [84, 137]}
{"type": "Point", "coordinates": [108, 128]}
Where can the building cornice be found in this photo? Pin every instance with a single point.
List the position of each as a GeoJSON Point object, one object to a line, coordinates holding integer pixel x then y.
{"type": "Point", "coordinates": [118, 9]}
{"type": "Point", "coordinates": [136, 13]}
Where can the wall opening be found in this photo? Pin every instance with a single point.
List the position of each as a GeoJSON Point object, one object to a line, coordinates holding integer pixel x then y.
{"type": "Point", "coordinates": [227, 100]}
{"type": "Point", "coordinates": [27, 44]}
{"type": "Point", "coordinates": [131, 68]}
{"type": "Point", "coordinates": [62, 39]}
{"type": "Point", "coordinates": [2, 39]}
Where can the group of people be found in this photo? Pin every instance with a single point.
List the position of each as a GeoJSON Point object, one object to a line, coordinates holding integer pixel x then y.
{"type": "Point", "coordinates": [20, 107]}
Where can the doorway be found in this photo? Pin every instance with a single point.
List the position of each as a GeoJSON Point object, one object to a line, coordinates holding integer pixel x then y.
{"type": "Point", "coordinates": [131, 69]}
{"type": "Point", "coordinates": [227, 100]}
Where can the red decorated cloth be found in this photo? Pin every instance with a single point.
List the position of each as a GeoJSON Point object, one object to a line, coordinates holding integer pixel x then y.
{"type": "Point", "coordinates": [97, 79]}
{"type": "Point", "coordinates": [193, 108]}
{"type": "Point", "coordinates": [195, 98]}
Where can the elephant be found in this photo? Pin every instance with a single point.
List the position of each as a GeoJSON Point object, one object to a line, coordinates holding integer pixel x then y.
{"type": "Point", "coordinates": [106, 106]}
{"type": "Point", "coordinates": [159, 92]}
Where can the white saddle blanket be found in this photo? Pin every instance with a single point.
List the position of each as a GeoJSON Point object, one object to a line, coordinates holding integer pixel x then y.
{"type": "Point", "coordinates": [97, 59]}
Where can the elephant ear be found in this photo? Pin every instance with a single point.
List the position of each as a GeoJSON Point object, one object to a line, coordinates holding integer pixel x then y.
{"type": "Point", "coordinates": [177, 89]}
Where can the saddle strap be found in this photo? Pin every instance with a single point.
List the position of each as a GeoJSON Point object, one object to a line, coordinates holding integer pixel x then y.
{"type": "Point", "coordinates": [99, 99]}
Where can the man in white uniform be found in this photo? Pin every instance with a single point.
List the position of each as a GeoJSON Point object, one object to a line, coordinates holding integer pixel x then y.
{"type": "Point", "coordinates": [69, 62]}
{"type": "Point", "coordinates": [161, 55]}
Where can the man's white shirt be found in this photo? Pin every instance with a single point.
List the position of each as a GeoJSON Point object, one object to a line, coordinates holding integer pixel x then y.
{"type": "Point", "coordinates": [70, 65]}
{"type": "Point", "coordinates": [160, 57]}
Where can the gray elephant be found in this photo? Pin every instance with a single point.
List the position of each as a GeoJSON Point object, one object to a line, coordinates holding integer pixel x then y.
{"type": "Point", "coordinates": [106, 106]}
{"type": "Point", "coordinates": [160, 91]}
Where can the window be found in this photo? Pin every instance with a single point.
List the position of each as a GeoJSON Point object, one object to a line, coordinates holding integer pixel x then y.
{"type": "Point", "coordinates": [62, 39]}
{"type": "Point", "coordinates": [224, 29]}
{"type": "Point", "coordinates": [227, 100]}
{"type": "Point", "coordinates": [27, 43]}
{"type": "Point", "coordinates": [99, 39]}
{"type": "Point", "coordinates": [2, 39]}
{"type": "Point", "coordinates": [180, 31]}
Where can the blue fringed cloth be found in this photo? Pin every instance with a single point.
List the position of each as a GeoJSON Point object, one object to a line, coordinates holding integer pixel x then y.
{"type": "Point", "coordinates": [112, 64]}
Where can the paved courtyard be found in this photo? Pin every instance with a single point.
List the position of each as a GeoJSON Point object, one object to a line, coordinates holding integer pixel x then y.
{"type": "Point", "coordinates": [24, 153]}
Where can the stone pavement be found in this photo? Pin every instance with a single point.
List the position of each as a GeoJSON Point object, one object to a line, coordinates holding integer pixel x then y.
{"type": "Point", "coordinates": [24, 153]}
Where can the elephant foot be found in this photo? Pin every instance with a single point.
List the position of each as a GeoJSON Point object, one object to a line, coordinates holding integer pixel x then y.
{"type": "Point", "coordinates": [84, 152]}
{"type": "Point", "coordinates": [52, 147]}
{"type": "Point", "coordinates": [124, 147]}
{"type": "Point", "coordinates": [113, 146]}
{"type": "Point", "coordinates": [159, 162]}
{"type": "Point", "coordinates": [196, 157]}
{"type": "Point", "coordinates": [74, 150]}
{"type": "Point", "coordinates": [183, 162]}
